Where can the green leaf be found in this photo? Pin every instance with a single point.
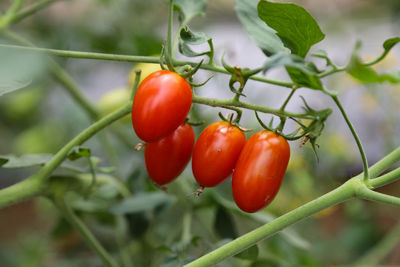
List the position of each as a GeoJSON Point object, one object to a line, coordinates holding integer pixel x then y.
{"type": "Point", "coordinates": [193, 38]}
{"type": "Point", "coordinates": [264, 36]}
{"type": "Point", "coordinates": [224, 225]}
{"type": "Point", "coordinates": [365, 74]}
{"type": "Point", "coordinates": [389, 43]}
{"type": "Point", "coordinates": [79, 152]}
{"type": "Point", "coordinates": [303, 79]}
{"type": "Point", "coordinates": [188, 37]}
{"type": "Point", "coordinates": [25, 160]}
{"type": "Point", "coordinates": [141, 202]}
{"type": "Point", "coordinates": [188, 9]}
{"type": "Point", "coordinates": [249, 254]}
{"type": "Point", "coordinates": [302, 73]}
{"type": "Point", "coordinates": [3, 161]}
{"type": "Point", "coordinates": [289, 60]}
{"type": "Point", "coordinates": [294, 25]}
{"type": "Point", "coordinates": [30, 160]}
{"type": "Point", "coordinates": [18, 69]}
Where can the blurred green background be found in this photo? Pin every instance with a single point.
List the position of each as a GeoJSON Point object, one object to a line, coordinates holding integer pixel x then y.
{"type": "Point", "coordinates": [173, 228]}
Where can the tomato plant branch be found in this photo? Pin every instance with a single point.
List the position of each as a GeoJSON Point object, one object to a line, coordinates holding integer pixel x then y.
{"type": "Point", "coordinates": [386, 179]}
{"type": "Point", "coordinates": [356, 138]}
{"type": "Point", "coordinates": [76, 222]}
{"type": "Point", "coordinates": [30, 10]}
{"type": "Point", "coordinates": [365, 193]}
{"type": "Point", "coordinates": [229, 103]}
{"type": "Point", "coordinates": [169, 34]}
{"type": "Point", "coordinates": [382, 165]}
{"type": "Point", "coordinates": [338, 195]}
{"type": "Point", "coordinates": [141, 59]}
{"type": "Point", "coordinates": [21, 191]}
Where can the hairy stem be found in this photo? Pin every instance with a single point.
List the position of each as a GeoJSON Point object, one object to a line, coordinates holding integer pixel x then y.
{"type": "Point", "coordinates": [386, 179]}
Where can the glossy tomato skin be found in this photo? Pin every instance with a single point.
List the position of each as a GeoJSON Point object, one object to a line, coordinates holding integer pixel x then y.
{"type": "Point", "coordinates": [161, 104]}
{"type": "Point", "coordinates": [216, 152]}
{"type": "Point", "coordinates": [259, 170]}
{"type": "Point", "coordinates": [167, 158]}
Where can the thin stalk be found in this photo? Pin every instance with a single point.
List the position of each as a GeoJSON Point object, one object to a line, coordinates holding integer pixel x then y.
{"type": "Point", "coordinates": [288, 99]}
{"type": "Point", "coordinates": [356, 138]}
{"type": "Point", "coordinates": [170, 23]}
{"type": "Point", "coordinates": [59, 157]}
{"type": "Point", "coordinates": [365, 193]}
{"type": "Point", "coordinates": [30, 10]}
{"type": "Point", "coordinates": [383, 164]}
{"type": "Point", "coordinates": [143, 59]}
{"type": "Point", "coordinates": [385, 179]}
{"type": "Point", "coordinates": [21, 191]}
{"type": "Point", "coordinates": [90, 239]}
{"type": "Point", "coordinates": [338, 195]}
{"type": "Point", "coordinates": [229, 103]}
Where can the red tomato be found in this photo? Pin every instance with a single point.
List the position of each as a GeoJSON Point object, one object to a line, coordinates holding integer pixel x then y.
{"type": "Point", "coordinates": [168, 157]}
{"type": "Point", "coordinates": [259, 170]}
{"type": "Point", "coordinates": [161, 104]}
{"type": "Point", "coordinates": [216, 152]}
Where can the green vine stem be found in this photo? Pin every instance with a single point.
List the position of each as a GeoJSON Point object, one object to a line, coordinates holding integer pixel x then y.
{"type": "Point", "coordinates": [365, 193]}
{"type": "Point", "coordinates": [385, 179]}
{"type": "Point", "coordinates": [76, 222]}
{"type": "Point", "coordinates": [30, 10]}
{"type": "Point", "coordinates": [34, 186]}
{"type": "Point", "coordinates": [229, 103]}
{"type": "Point", "coordinates": [340, 194]}
{"type": "Point", "coordinates": [356, 138]}
{"type": "Point", "coordinates": [381, 166]}
{"type": "Point", "coordinates": [142, 59]}
{"type": "Point", "coordinates": [21, 191]}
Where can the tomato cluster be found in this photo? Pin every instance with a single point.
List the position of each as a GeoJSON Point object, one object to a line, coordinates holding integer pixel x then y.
{"type": "Point", "coordinates": [257, 166]}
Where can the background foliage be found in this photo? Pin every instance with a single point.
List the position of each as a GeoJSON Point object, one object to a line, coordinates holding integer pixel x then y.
{"type": "Point", "coordinates": [151, 227]}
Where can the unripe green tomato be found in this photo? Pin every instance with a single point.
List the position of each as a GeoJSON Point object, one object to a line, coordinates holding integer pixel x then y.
{"type": "Point", "coordinates": [42, 138]}
{"type": "Point", "coordinates": [112, 100]}
{"type": "Point", "coordinates": [22, 104]}
{"type": "Point", "coordinates": [146, 68]}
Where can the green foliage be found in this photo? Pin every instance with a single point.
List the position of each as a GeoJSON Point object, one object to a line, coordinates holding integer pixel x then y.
{"type": "Point", "coordinates": [18, 70]}
{"type": "Point", "coordinates": [365, 74]}
{"type": "Point", "coordinates": [188, 9]}
{"type": "Point", "coordinates": [264, 36]}
{"type": "Point", "coordinates": [141, 202]}
{"type": "Point", "coordinates": [297, 28]}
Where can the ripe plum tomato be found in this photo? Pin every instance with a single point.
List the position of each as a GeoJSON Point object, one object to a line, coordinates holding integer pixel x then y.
{"type": "Point", "coordinates": [161, 104]}
{"type": "Point", "coordinates": [168, 157]}
{"type": "Point", "coordinates": [216, 152]}
{"type": "Point", "coordinates": [260, 170]}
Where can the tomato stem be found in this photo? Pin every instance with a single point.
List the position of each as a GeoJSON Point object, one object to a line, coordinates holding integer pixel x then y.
{"type": "Point", "coordinates": [356, 138]}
